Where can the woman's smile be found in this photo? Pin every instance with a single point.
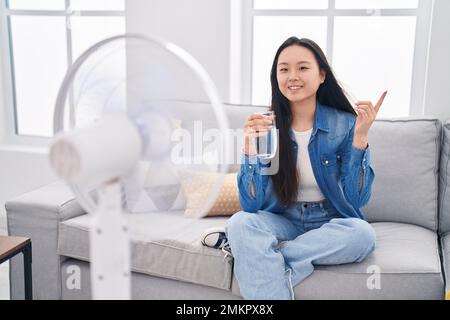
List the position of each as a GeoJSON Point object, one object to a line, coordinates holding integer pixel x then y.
{"type": "Point", "coordinates": [295, 88]}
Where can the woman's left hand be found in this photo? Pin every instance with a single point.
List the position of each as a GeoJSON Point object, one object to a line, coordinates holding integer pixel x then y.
{"type": "Point", "coordinates": [366, 116]}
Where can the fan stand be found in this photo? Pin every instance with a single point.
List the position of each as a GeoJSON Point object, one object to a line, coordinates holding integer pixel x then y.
{"type": "Point", "coordinates": [110, 247]}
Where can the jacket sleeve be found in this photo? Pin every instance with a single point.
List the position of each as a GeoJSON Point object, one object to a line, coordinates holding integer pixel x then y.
{"type": "Point", "coordinates": [250, 171]}
{"type": "Point", "coordinates": [357, 175]}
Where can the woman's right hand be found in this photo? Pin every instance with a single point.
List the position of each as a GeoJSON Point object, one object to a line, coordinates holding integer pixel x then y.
{"type": "Point", "coordinates": [256, 125]}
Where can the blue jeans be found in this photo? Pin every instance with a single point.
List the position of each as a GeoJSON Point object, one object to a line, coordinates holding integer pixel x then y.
{"type": "Point", "coordinates": [273, 252]}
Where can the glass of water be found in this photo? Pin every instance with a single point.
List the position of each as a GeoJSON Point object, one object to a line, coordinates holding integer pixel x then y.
{"type": "Point", "coordinates": [266, 142]}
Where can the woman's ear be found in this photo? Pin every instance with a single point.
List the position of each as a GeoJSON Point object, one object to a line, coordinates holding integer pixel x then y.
{"type": "Point", "coordinates": [323, 76]}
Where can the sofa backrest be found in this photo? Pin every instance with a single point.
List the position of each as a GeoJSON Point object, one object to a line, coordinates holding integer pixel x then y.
{"type": "Point", "coordinates": [444, 182]}
{"type": "Point", "coordinates": [405, 157]}
{"type": "Point", "coordinates": [237, 116]}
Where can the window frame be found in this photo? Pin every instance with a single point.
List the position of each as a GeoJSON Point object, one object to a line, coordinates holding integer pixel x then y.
{"type": "Point", "coordinates": [242, 85]}
{"type": "Point", "coordinates": [10, 123]}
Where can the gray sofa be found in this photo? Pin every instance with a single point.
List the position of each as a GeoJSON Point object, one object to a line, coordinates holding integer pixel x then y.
{"type": "Point", "coordinates": [409, 209]}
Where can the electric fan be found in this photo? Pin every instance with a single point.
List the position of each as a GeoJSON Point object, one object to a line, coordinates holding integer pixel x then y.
{"type": "Point", "coordinates": [135, 116]}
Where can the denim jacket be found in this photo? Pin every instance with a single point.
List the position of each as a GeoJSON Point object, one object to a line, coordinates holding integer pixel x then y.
{"type": "Point", "coordinates": [337, 166]}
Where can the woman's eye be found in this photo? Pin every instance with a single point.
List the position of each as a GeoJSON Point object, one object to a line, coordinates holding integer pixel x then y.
{"type": "Point", "coordinates": [303, 68]}
{"type": "Point", "coordinates": [284, 69]}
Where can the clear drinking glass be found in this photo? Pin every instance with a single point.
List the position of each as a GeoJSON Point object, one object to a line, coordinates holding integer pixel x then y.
{"type": "Point", "coordinates": [266, 142]}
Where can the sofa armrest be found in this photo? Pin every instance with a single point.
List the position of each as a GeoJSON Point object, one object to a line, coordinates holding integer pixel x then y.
{"type": "Point", "coordinates": [444, 181]}
{"type": "Point", "coordinates": [445, 256]}
{"type": "Point", "coordinates": [37, 215]}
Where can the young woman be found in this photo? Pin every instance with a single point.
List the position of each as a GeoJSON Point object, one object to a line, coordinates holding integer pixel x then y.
{"type": "Point", "coordinates": [308, 212]}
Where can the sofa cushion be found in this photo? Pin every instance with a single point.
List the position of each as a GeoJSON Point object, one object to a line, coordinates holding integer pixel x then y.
{"type": "Point", "coordinates": [407, 261]}
{"type": "Point", "coordinates": [163, 244]}
{"type": "Point", "coordinates": [405, 158]}
{"type": "Point", "coordinates": [444, 182]}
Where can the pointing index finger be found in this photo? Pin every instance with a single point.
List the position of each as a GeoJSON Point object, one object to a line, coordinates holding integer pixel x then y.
{"type": "Point", "coordinates": [380, 101]}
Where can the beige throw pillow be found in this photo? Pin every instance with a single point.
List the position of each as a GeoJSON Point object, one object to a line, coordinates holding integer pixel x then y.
{"type": "Point", "coordinates": [196, 187]}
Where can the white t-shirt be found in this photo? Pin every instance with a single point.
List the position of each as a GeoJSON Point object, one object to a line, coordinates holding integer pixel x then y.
{"type": "Point", "coordinates": [308, 189]}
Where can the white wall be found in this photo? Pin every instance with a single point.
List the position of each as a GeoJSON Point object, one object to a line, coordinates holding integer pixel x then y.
{"type": "Point", "coordinates": [437, 94]}
{"type": "Point", "coordinates": [201, 27]}
{"type": "Point", "coordinates": [21, 170]}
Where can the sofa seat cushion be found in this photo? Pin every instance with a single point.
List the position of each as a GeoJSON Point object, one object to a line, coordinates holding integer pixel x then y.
{"type": "Point", "coordinates": [163, 244]}
{"type": "Point", "coordinates": [406, 262]}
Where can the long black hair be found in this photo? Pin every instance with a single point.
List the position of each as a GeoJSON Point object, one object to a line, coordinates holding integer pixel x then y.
{"type": "Point", "coordinates": [330, 93]}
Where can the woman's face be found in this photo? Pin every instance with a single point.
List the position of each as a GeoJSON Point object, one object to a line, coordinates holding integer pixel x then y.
{"type": "Point", "coordinates": [298, 73]}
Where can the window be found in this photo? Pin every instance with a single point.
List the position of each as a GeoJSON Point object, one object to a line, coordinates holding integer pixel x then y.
{"type": "Point", "coordinates": [44, 38]}
{"type": "Point", "coordinates": [372, 45]}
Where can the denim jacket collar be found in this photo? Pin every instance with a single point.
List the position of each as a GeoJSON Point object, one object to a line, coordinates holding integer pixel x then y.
{"type": "Point", "coordinates": [320, 121]}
